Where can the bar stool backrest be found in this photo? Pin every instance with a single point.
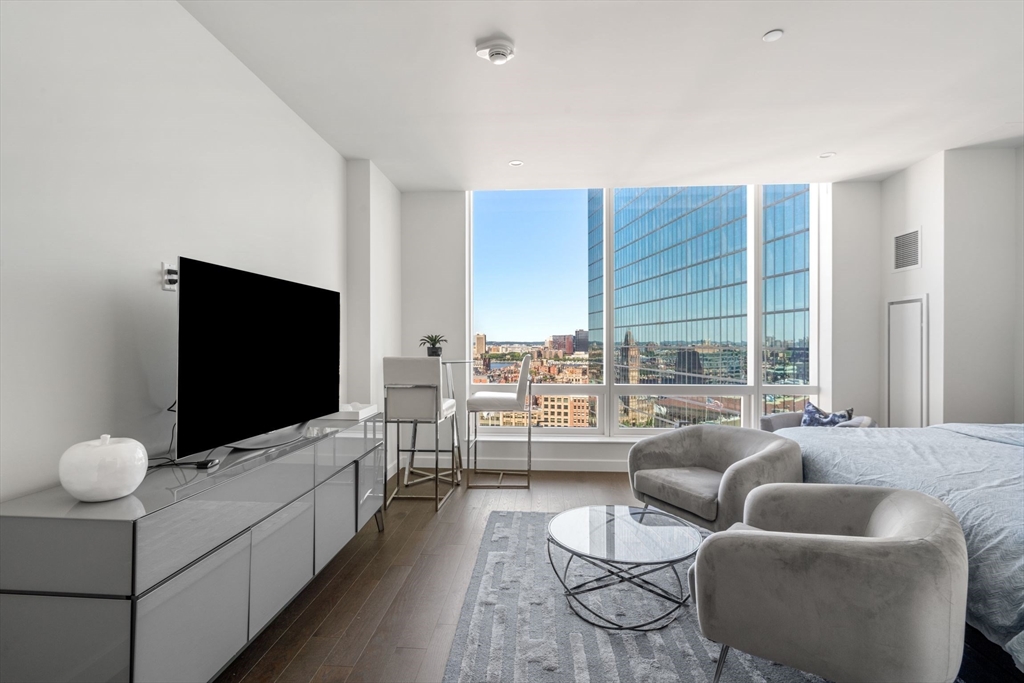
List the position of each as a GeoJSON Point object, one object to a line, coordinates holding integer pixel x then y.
{"type": "Point", "coordinates": [422, 402]}
{"type": "Point", "coordinates": [524, 381]}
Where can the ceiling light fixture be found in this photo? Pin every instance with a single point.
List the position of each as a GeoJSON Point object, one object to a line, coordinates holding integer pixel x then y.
{"type": "Point", "coordinates": [515, 163]}
{"type": "Point", "coordinates": [826, 155]}
{"type": "Point", "coordinates": [772, 35]}
{"type": "Point", "coordinates": [497, 51]}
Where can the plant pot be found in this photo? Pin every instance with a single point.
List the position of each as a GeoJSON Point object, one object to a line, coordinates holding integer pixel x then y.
{"type": "Point", "coordinates": [434, 351]}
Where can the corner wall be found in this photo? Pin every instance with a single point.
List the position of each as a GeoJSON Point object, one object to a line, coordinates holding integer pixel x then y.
{"type": "Point", "coordinates": [130, 137]}
{"type": "Point", "coordinates": [914, 199]}
{"type": "Point", "coordinates": [851, 296]}
{"type": "Point", "coordinates": [1018, 355]}
{"type": "Point", "coordinates": [435, 282]}
{"type": "Point", "coordinates": [965, 203]}
{"type": "Point", "coordinates": [374, 282]}
{"type": "Point", "coordinates": [981, 278]}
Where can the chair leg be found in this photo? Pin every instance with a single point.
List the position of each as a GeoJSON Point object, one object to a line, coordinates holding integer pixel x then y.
{"type": "Point", "coordinates": [529, 439]}
{"type": "Point", "coordinates": [387, 454]}
{"type": "Point", "coordinates": [412, 456]}
{"type": "Point", "coordinates": [456, 472]}
{"type": "Point", "coordinates": [721, 662]}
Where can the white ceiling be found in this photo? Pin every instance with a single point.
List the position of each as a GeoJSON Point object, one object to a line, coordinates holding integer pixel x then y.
{"type": "Point", "coordinates": [636, 93]}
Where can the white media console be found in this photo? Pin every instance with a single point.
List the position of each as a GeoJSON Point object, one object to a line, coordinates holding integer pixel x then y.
{"type": "Point", "coordinates": [172, 582]}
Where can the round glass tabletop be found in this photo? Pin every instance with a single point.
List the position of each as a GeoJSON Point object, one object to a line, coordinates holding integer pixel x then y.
{"type": "Point", "coordinates": [619, 533]}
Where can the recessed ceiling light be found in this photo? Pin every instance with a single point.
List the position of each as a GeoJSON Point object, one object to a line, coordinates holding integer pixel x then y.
{"type": "Point", "coordinates": [772, 35]}
{"type": "Point", "coordinates": [826, 155]}
{"type": "Point", "coordinates": [515, 163]}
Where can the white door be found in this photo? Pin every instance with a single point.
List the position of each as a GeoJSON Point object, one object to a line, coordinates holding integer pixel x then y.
{"type": "Point", "coordinates": [907, 348]}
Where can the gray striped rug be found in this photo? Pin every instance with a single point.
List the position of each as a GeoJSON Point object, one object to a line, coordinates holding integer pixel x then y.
{"type": "Point", "coordinates": [516, 627]}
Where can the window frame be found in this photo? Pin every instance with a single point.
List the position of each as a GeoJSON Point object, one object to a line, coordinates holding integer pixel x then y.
{"type": "Point", "coordinates": [608, 392]}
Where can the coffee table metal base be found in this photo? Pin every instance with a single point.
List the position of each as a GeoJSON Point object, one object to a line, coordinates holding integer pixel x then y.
{"type": "Point", "coordinates": [614, 574]}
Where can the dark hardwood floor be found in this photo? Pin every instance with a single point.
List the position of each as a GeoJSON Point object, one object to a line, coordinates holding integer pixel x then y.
{"type": "Point", "coordinates": [385, 608]}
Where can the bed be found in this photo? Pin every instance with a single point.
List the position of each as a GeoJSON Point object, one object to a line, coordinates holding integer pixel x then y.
{"type": "Point", "coordinates": [977, 470]}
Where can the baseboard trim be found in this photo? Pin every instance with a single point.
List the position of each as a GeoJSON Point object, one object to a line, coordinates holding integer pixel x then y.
{"type": "Point", "coordinates": [556, 464]}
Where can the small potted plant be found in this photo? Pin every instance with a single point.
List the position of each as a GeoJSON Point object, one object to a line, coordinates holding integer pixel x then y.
{"type": "Point", "coordinates": [433, 343]}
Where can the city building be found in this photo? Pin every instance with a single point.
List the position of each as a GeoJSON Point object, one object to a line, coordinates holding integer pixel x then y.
{"type": "Point", "coordinates": [581, 341]}
{"type": "Point", "coordinates": [480, 345]}
{"type": "Point", "coordinates": [563, 342]}
{"type": "Point", "coordinates": [548, 411]}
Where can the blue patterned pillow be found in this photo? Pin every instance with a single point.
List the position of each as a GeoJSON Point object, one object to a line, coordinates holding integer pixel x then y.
{"type": "Point", "coordinates": [816, 417]}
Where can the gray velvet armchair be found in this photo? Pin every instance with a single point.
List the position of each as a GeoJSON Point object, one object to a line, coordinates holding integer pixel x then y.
{"type": "Point", "coordinates": [703, 473]}
{"type": "Point", "coordinates": [852, 583]}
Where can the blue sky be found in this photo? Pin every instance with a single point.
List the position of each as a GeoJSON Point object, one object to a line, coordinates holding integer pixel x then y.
{"type": "Point", "coordinates": [529, 263]}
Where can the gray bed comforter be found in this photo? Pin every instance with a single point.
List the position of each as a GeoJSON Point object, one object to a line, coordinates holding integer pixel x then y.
{"type": "Point", "coordinates": [977, 470]}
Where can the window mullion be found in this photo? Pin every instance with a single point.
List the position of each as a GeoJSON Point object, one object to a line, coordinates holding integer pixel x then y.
{"type": "Point", "coordinates": [814, 334]}
{"type": "Point", "coordinates": [755, 302]}
{"type": "Point", "coordinates": [611, 398]}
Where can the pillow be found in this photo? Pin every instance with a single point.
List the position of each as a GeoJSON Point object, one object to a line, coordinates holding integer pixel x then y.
{"type": "Point", "coordinates": [816, 417]}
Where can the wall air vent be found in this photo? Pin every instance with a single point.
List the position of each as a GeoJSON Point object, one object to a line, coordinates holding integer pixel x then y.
{"type": "Point", "coordinates": [908, 250]}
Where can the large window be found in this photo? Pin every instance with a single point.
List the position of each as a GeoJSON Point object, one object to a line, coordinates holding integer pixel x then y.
{"type": "Point", "coordinates": [680, 293]}
{"type": "Point", "coordinates": [696, 331]}
{"type": "Point", "coordinates": [537, 290]}
{"type": "Point", "coordinates": [787, 285]}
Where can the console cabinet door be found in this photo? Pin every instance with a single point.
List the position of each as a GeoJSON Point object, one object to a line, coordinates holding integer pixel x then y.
{"type": "Point", "coordinates": [191, 626]}
{"type": "Point", "coordinates": [371, 485]}
{"type": "Point", "coordinates": [335, 515]}
{"type": "Point", "coordinates": [60, 639]}
{"type": "Point", "coordinates": [282, 561]}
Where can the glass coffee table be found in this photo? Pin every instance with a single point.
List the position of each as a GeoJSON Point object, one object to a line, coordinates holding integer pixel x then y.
{"type": "Point", "coordinates": [628, 554]}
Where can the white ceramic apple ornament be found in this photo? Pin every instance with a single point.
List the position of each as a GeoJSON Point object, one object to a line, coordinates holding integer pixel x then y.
{"type": "Point", "coordinates": [103, 469]}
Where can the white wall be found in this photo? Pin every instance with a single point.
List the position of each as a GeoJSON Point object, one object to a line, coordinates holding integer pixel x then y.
{"type": "Point", "coordinates": [965, 202]}
{"type": "Point", "coordinates": [913, 199]}
{"type": "Point", "coordinates": [435, 281]}
{"type": "Point", "coordinates": [374, 281]}
{"type": "Point", "coordinates": [851, 284]}
{"type": "Point", "coordinates": [435, 265]}
{"type": "Point", "coordinates": [1018, 411]}
{"type": "Point", "coordinates": [981, 278]}
{"type": "Point", "coordinates": [131, 136]}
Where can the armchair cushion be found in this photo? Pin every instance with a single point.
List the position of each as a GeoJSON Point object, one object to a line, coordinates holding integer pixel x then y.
{"type": "Point", "coordinates": [689, 488]}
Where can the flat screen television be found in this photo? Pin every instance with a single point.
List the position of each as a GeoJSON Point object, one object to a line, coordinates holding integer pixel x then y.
{"type": "Point", "coordinates": [256, 354]}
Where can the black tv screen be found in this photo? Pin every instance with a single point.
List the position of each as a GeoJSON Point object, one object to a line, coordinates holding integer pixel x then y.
{"type": "Point", "coordinates": [255, 354]}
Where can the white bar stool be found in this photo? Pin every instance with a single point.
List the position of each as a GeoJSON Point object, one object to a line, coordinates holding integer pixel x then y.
{"type": "Point", "coordinates": [412, 395]}
{"type": "Point", "coordinates": [494, 401]}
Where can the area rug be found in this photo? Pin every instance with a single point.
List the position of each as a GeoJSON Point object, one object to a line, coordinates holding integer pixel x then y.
{"type": "Point", "coordinates": [516, 626]}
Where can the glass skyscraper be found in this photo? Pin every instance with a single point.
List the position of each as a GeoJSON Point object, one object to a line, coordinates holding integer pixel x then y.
{"type": "Point", "coordinates": [595, 284]}
{"type": "Point", "coordinates": [787, 288]}
{"type": "Point", "coordinates": [680, 285]}
{"type": "Point", "coordinates": [681, 289]}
